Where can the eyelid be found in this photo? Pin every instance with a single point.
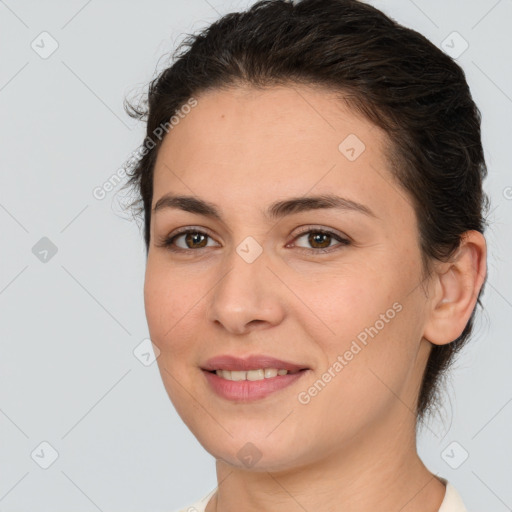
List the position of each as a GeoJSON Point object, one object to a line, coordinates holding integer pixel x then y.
{"type": "Point", "coordinates": [342, 240]}
{"type": "Point", "coordinates": [165, 240]}
{"type": "Point", "coordinates": [308, 228]}
{"type": "Point", "coordinates": [185, 229]}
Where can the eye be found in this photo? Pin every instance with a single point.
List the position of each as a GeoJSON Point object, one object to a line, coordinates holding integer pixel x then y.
{"type": "Point", "coordinates": [192, 238]}
{"type": "Point", "coordinates": [320, 240]}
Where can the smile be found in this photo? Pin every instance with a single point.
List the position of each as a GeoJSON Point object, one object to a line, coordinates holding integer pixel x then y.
{"type": "Point", "coordinates": [246, 386]}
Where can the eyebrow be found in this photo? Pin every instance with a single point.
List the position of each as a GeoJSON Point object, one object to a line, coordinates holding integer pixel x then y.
{"type": "Point", "coordinates": [275, 211]}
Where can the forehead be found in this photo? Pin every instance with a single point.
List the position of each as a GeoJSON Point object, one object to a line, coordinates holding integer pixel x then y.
{"type": "Point", "coordinates": [244, 146]}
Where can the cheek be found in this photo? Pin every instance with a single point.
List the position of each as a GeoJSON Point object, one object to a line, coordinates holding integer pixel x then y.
{"type": "Point", "coordinates": [169, 301]}
{"type": "Point", "coordinates": [369, 322]}
{"type": "Point", "coordinates": [169, 307]}
{"type": "Point", "coordinates": [348, 304]}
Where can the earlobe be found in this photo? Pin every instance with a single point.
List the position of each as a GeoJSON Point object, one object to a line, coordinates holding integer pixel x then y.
{"type": "Point", "coordinates": [457, 285]}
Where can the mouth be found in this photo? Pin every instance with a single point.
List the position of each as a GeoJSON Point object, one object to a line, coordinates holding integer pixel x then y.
{"type": "Point", "coordinates": [253, 375]}
{"type": "Point", "coordinates": [247, 363]}
{"type": "Point", "coordinates": [245, 386]}
{"type": "Point", "coordinates": [250, 377]}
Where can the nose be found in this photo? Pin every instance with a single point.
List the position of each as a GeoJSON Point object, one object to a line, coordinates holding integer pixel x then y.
{"type": "Point", "coordinates": [247, 296]}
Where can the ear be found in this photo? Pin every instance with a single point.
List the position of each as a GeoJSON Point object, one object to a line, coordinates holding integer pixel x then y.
{"type": "Point", "coordinates": [456, 285]}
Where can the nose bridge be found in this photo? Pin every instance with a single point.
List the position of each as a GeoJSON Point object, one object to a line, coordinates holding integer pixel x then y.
{"type": "Point", "coordinates": [244, 293]}
{"type": "Point", "coordinates": [246, 271]}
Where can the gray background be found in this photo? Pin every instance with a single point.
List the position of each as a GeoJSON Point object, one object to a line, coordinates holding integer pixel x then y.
{"type": "Point", "coordinates": [69, 325]}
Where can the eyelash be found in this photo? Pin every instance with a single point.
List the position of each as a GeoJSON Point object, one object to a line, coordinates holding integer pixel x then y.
{"type": "Point", "coordinates": [167, 242]}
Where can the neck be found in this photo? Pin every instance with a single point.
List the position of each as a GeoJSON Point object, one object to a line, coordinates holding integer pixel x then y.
{"type": "Point", "coordinates": [378, 469]}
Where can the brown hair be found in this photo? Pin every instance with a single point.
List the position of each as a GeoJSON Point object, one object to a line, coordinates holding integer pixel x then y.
{"type": "Point", "coordinates": [393, 75]}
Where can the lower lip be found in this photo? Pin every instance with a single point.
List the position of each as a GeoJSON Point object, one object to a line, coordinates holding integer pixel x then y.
{"type": "Point", "coordinates": [248, 390]}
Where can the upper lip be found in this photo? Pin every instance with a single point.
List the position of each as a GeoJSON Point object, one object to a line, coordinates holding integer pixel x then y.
{"type": "Point", "coordinates": [252, 362]}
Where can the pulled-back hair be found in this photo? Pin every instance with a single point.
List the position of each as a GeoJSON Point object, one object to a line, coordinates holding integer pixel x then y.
{"type": "Point", "coordinates": [393, 75]}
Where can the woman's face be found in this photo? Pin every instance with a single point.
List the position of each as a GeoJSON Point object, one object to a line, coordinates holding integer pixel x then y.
{"type": "Point", "coordinates": [253, 284]}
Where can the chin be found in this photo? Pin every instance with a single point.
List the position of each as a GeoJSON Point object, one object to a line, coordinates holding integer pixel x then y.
{"type": "Point", "coordinates": [258, 454]}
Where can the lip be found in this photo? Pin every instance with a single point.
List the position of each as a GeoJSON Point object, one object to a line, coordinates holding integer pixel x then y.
{"type": "Point", "coordinates": [247, 390]}
{"type": "Point", "coordinates": [251, 362]}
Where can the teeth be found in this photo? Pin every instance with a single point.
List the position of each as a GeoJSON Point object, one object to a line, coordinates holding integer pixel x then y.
{"type": "Point", "coordinates": [260, 374]}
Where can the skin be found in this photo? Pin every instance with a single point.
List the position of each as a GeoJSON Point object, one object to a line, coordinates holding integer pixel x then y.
{"type": "Point", "coordinates": [353, 446]}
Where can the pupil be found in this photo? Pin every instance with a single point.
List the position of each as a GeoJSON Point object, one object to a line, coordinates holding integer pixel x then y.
{"type": "Point", "coordinates": [194, 237]}
{"type": "Point", "coordinates": [316, 238]}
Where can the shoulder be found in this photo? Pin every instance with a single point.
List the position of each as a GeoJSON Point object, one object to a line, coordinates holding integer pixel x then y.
{"type": "Point", "coordinates": [452, 500]}
{"type": "Point", "coordinates": [199, 505]}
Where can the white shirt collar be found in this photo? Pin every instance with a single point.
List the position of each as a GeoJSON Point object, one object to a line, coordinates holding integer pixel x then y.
{"type": "Point", "coordinates": [452, 501]}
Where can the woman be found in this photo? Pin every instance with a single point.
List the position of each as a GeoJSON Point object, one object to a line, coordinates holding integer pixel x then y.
{"type": "Point", "coordinates": [311, 188]}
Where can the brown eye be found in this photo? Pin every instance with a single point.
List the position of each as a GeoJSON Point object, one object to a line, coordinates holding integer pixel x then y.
{"type": "Point", "coordinates": [192, 239]}
{"type": "Point", "coordinates": [320, 240]}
